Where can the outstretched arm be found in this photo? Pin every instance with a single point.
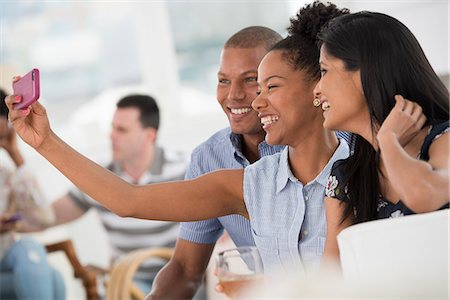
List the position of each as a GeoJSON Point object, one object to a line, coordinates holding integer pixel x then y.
{"type": "Point", "coordinates": [175, 201]}
{"type": "Point", "coordinates": [423, 186]}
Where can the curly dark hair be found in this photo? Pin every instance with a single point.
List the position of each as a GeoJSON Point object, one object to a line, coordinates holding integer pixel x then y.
{"type": "Point", "coordinates": [300, 47]}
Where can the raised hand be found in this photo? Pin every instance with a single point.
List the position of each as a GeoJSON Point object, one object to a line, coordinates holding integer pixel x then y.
{"type": "Point", "coordinates": [31, 123]}
{"type": "Point", "coordinates": [404, 121]}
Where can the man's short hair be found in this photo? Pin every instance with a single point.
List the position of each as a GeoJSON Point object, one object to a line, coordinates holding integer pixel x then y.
{"type": "Point", "coordinates": [3, 108]}
{"type": "Point", "coordinates": [252, 37]}
{"type": "Point", "coordinates": [149, 111]}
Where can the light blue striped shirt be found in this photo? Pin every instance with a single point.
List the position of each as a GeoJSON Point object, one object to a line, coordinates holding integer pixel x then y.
{"type": "Point", "coordinates": [223, 150]}
{"type": "Point", "coordinates": [287, 218]}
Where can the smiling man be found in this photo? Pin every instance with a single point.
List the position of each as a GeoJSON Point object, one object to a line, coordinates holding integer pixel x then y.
{"type": "Point", "coordinates": [234, 147]}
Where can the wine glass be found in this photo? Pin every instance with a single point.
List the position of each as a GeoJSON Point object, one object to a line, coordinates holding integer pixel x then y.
{"type": "Point", "coordinates": [238, 269]}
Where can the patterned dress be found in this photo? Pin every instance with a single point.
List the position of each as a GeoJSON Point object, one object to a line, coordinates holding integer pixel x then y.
{"type": "Point", "coordinates": [386, 209]}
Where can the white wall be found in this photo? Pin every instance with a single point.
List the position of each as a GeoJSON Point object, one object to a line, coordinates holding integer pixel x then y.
{"type": "Point", "coordinates": [428, 20]}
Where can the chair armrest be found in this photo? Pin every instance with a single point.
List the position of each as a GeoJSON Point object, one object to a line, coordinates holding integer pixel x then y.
{"type": "Point", "coordinates": [120, 285]}
{"type": "Point", "coordinates": [87, 277]}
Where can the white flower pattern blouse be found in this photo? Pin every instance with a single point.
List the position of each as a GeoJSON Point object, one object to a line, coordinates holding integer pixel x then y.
{"type": "Point", "coordinates": [386, 209]}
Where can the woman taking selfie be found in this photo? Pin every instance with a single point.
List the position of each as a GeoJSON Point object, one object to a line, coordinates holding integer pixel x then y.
{"type": "Point", "coordinates": [282, 195]}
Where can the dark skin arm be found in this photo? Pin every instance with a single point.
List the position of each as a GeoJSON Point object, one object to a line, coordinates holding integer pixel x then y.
{"type": "Point", "coordinates": [154, 202]}
{"type": "Point", "coordinates": [186, 269]}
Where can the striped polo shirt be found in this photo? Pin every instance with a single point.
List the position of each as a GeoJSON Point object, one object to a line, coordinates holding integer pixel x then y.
{"type": "Point", "coordinates": [287, 217]}
{"type": "Point", "coordinates": [223, 150]}
{"type": "Point", "coordinates": [128, 234]}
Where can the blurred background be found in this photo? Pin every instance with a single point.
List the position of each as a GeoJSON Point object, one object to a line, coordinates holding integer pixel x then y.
{"type": "Point", "coordinates": [91, 53]}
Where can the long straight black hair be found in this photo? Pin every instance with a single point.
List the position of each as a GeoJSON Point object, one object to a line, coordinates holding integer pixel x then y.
{"type": "Point", "coordinates": [391, 62]}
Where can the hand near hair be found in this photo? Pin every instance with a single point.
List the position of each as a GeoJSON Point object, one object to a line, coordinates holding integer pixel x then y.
{"type": "Point", "coordinates": [404, 121]}
{"type": "Point", "coordinates": [31, 123]}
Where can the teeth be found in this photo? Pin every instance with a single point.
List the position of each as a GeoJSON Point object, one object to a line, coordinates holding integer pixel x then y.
{"type": "Point", "coordinates": [325, 106]}
{"type": "Point", "coordinates": [267, 120]}
{"type": "Point", "coordinates": [240, 111]}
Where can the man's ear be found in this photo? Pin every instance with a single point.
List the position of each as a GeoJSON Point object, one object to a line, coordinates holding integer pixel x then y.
{"type": "Point", "coordinates": [151, 134]}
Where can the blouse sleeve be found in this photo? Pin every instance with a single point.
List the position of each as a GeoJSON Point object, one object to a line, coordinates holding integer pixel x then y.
{"type": "Point", "coordinates": [28, 198]}
{"type": "Point", "coordinates": [335, 187]}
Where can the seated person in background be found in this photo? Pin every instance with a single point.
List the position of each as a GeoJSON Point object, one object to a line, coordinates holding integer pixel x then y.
{"type": "Point", "coordinates": [138, 160]}
{"type": "Point", "coordinates": [234, 147]}
{"type": "Point", "coordinates": [281, 194]}
{"type": "Point", "coordinates": [401, 160]}
{"type": "Point", "coordinates": [24, 270]}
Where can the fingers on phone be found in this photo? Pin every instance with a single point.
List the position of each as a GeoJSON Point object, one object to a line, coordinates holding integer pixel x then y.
{"type": "Point", "coordinates": [16, 78]}
{"type": "Point", "coordinates": [25, 111]}
{"type": "Point", "coordinates": [9, 100]}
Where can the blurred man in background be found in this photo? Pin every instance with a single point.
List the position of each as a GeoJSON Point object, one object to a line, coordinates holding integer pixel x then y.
{"type": "Point", "coordinates": [137, 159]}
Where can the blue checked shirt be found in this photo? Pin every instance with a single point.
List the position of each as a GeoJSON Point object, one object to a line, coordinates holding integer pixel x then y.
{"type": "Point", "coordinates": [287, 218]}
{"type": "Point", "coordinates": [221, 151]}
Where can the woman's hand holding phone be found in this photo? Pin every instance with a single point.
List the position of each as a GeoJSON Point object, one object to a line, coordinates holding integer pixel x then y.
{"type": "Point", "coordinates": [30, 123]}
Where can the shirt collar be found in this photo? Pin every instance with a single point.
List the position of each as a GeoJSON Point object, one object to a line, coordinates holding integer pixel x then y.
{"type": "Point", "coordinates": [236, 142]}
{"type": "Point", "coordinates": [263, 149]}
{"type": "Point", "coordinates": [285, 173]}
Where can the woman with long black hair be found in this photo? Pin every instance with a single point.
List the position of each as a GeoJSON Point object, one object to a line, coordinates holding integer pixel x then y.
{"type": "Point", "coordinates": [370, 64]}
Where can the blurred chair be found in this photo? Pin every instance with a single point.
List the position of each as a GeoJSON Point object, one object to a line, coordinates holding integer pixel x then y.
{"type": "Point", "coordinates": [400, 257]}
{"type": "Point", "coordinates": [87, 276]}
{"type": "Point", "coordinates": [120, 285]}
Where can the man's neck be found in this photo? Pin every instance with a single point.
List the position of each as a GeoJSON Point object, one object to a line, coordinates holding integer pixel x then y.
{"type": "Point", "coordinates": [250, 145]}
{"type": "Point", "coordinates": [137, 167]}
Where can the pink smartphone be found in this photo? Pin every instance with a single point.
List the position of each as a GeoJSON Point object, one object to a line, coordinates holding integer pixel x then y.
{"type": "Point", "coordinates": [28, 88]}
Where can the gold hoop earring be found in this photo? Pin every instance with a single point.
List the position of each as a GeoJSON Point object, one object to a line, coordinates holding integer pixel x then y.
{"type": "Point", "coordinates": [316, 102]}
